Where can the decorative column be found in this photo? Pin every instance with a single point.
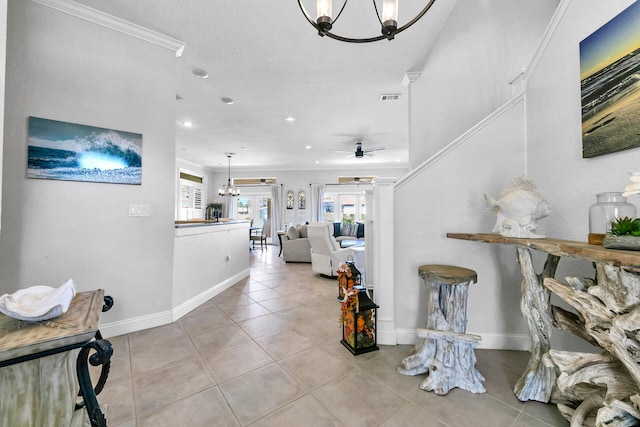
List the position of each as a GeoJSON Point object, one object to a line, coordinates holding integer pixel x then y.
{"type": "Point", "coordinates": [384, 258]}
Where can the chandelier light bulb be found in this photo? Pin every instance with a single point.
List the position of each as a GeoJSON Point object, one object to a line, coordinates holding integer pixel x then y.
{"type": "Point", "coordinates": [324, 10]}
{"type": "Point", "coordinates": [389, 17]}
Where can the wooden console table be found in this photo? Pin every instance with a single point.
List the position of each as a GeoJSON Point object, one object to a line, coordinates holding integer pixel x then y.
{"type": "Point", "coordinates": [37, 382]}
{"type": "Point", "coordinates": [608, 315]}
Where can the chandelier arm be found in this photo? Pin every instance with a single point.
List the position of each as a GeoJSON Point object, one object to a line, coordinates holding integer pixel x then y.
{"type": "Point", "coordinates": [375, 6]}
{"type": "Point", "coordinates": [370, 39]}
{"type": "Point", "coordinates": [340, 13]}
{"type": "Point", "coordinates": [307, 16]}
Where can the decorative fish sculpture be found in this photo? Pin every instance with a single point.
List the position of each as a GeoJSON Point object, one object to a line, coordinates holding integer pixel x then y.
{"type": "Point", "coordinates": [633, 187]}
{"type": "Point", "coordinates": [518, 209]}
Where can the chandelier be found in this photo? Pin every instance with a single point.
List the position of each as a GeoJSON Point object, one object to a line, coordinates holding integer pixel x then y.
{"type": "Point", "coordinates": [229, 190]}
{"type": "Point", "coordinates": [388, 20]}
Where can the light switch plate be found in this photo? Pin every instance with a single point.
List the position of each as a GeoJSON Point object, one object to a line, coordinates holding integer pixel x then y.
{"type": "Point", "coordinates": [138, 210]}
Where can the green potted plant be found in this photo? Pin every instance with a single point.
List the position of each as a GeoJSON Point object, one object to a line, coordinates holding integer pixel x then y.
{"type": "Point", "coordinates": [624, 234]}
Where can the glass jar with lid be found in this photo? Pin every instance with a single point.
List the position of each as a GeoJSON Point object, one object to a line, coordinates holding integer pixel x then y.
{"type": "Point", "coordinates": [608, 208]}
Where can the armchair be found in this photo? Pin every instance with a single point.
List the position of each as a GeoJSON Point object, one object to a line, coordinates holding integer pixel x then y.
{"type": "Point", "coordinates": [326, 254]}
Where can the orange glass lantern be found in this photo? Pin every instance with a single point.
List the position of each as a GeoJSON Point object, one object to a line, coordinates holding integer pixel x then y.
{"type": "Point", "coordinates": [358, 322]}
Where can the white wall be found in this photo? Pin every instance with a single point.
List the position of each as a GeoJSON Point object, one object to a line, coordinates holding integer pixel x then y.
{"type": "Point", "coordinates": [448, 197]}
{"type": "Point", "coordinates": [207, 260]}
{"type": "Point", "coordinates": [539, 135]}
{"type": "Point", "coordinates": [484, 46]}
{"type": "Point", "coordinates": [65, 68]}
{"type": "Point", "coordinates": [3, 55]}
{"type": "Point", "coordinates": [554, 125]}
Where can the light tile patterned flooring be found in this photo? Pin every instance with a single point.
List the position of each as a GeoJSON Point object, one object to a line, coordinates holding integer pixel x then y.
{"type": "Point", "coordinates": [266, 352]}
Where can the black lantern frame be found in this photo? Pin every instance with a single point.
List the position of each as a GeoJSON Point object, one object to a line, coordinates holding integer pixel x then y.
{"type": "Point", "coordinates": [359, 323]}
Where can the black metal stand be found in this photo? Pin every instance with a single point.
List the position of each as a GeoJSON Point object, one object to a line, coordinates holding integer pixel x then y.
{"type": "Point", "coordinates": [101, 356]}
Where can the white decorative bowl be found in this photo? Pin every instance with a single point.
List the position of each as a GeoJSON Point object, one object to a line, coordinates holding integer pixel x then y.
{"type": "Point", "coordinates": [38, 302]}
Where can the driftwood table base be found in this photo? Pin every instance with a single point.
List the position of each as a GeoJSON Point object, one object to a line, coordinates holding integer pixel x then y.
{"type": "Point", "coordinates": [600, 390]}
{"type": "Point", "coordinates": [537, 380]}
{"type": "Point", "coordinates": [446, 351]}
{"type": "Point", "coordinates": [589, 389]}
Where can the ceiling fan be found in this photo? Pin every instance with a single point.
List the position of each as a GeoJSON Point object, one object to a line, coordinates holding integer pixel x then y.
{"type": "Point", "coordinates": [359, 153]}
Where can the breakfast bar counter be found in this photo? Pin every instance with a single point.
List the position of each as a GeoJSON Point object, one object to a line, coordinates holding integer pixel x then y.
{"type": "Point", "coordinates": [607, 315]}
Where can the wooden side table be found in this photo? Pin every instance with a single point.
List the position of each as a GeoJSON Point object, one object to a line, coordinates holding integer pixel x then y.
{"type": "Point", "coordinates": [36, 376]}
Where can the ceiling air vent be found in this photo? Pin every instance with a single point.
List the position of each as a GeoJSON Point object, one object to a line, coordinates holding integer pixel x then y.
{"type": "Point", "coordinates": [390, 97]}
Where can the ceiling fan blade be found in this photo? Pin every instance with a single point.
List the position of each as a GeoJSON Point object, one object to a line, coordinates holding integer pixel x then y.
{"type": "Point", "coordinates": [373, 149]}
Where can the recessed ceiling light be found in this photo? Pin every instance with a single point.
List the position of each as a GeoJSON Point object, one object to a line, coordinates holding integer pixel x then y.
{"type": "Point", "coordinates": [308, 147]}
{"type": "Point", "coordinates": [227, 101]}
{"type": "Point", "coordinates": [199, 72]}
{"type": "Point", "coordinates": [317, 162]}
{"type": "Point", "coordinates": [187, 124]}
{"type": "Point", "coordinates": [243, 148]}
{"type": "Point", "coordinates": [290, 119]}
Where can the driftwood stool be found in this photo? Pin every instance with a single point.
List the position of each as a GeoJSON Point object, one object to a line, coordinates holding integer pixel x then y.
{"type": "Point", "coordinates": [446, 351]}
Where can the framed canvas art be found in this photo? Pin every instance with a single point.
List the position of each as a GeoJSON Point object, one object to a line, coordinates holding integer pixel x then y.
{"type": "Point", "coordinates": [610, 85]}
{"type": "Point", "coordinates": [73, 152]}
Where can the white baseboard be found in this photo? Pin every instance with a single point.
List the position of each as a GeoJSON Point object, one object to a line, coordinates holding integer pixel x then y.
{"type": "Point", "coordinates": [195, 302]}
{"type": "Point", "coordinates": [386, 333]}
{"type": "Point", "coordinates": [489, 341]}
{"type": "Point", "coordinates": [128, 326]}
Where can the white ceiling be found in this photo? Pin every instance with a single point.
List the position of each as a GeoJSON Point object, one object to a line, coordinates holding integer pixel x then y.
{"type": "Point", "coordinates": [271, 62]}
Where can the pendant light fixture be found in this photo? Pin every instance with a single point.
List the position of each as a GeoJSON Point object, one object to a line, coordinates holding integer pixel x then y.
{"type": "Point", "coordinates": [388, 20]}
{"type": "Point", "coordinates": [229, 190]}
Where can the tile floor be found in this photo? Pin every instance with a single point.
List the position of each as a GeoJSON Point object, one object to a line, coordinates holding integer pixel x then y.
{"type": "Point", "coordinates": [266, 352]}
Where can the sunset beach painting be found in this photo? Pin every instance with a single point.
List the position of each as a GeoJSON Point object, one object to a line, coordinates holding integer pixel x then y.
{"type": "Point", "coordinates": [610, 85]}
{"type": "Point", "coordinates": [73, 152]}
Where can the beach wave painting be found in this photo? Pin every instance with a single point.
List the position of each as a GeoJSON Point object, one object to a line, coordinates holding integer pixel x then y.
{"type": "Point", "coordinates": [610, 85]}
{"type": "Point", "coordinates": [73, 152]}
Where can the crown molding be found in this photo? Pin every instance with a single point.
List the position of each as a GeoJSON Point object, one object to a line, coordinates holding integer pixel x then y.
{"type": "Point", "coordinates": [109, 21]}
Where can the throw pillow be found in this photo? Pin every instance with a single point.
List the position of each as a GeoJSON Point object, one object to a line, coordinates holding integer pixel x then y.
{"type": "Point", "coordinates": [350, 230]}
{"type": "Point", "coordinates": [293, 233]}
{"type": "Point", "coordinates": [336, 229]}
{"type": "Point", "coordinates": [302, 230]}
{"type": "Point", "coordinates": [345, 229]}
{"type": "Point", "coordinates": [360, 234]}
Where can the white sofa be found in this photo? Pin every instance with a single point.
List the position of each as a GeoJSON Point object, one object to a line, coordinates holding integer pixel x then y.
{"type": "Point", "coordinates": [326, 254]}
